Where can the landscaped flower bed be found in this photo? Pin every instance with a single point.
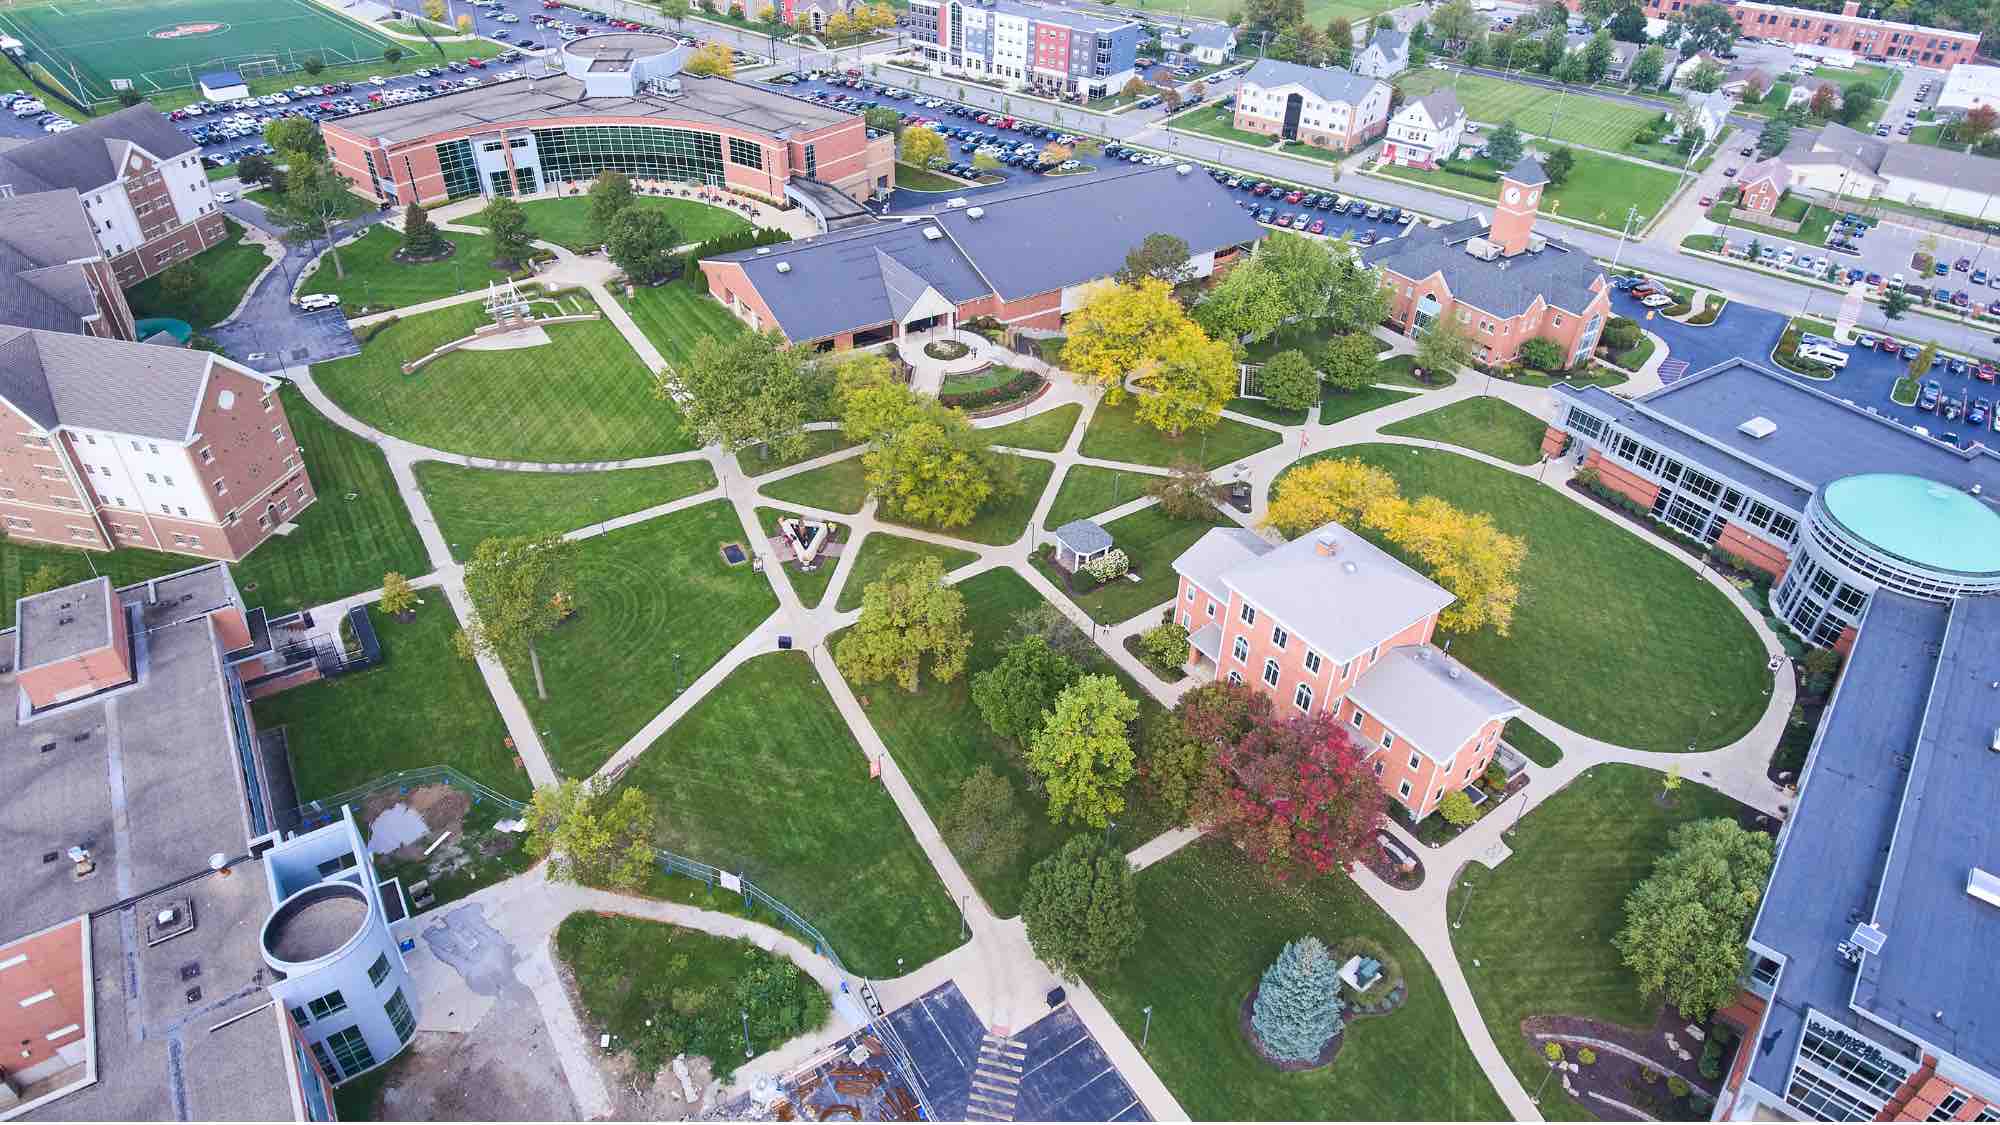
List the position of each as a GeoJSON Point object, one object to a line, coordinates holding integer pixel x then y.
{"type": "Point", "coordinates": [947, 349]}
{"type": "Point", "coordinates": [998, 385]}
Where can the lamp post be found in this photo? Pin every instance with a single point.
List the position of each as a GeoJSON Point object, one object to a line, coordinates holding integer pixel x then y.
{"type": "Point", "coordinates": [1147, 1032]}
{"type": "Point", "coordinates": [1470, 887]}
{"type": "Point", "coordinates": [964, 927]}
{"type": "Point", "coordinates": [1108, 826]}
{"type": "Point", "coordinates": [746, 1032]}
{"type": "Point", "coordinates": [1624, 232]}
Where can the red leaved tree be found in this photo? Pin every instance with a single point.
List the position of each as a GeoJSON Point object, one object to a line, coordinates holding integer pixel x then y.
{"type": "Point", "coordinates": [1296, 795]}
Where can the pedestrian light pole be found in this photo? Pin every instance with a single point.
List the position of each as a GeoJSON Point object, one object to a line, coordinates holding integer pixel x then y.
{"type": "Point", "coordinates": [1147, 1032]}
{"type": "Point", "coordinates": [1631, 216]}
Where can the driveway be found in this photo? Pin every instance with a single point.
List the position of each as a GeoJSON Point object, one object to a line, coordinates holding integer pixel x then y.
{"type": "Point", "coordinates": [267, 333]}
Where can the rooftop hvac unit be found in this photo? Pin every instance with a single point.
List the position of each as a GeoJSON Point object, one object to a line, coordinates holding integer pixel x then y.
{"type": "Point", "coordinates": [784, 267]}
{"type": "Point", "coordinates": [1982, 885]}
{"type": "Point", "coordinates": [1482, 249]}
{"type": "Point", "coordinates": [976, 213]}
{"type": "Point", "coordinates": [1869, 938]}
{"type": "Point", "coordinates": [955, 202]}
{"type": "Point", "coordinates": [763, 250]}
{"type": "Point", "coordinates": [933, 234]}
{"type": "Point", "coordinates": [1759, 427]}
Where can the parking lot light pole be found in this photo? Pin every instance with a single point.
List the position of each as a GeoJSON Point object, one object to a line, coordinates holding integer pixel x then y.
{"type": "Point", "coordinates": [1624, 232]}
{"type": "Point", "coordinates": [1147, 1032]}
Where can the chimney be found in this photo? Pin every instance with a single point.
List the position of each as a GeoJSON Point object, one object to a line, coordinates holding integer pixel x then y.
{"type": "Point", "coordinates": [1326, 545]}
{"type": "Point", "coordinates": [1851, 8]}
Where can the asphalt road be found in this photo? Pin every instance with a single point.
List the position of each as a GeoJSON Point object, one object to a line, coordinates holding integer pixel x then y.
{"type": "Point", "coordinates": [269, 334]}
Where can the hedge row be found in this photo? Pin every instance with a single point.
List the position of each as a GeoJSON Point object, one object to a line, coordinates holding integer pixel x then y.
{"type": "Point", "coordinates": [690, 267]}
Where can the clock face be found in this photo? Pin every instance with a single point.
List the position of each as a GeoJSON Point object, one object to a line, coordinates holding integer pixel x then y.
{"type": "Point", "coordinates": [1513, 195]}
{"type": "Point", "coordinates": [1534, 195]}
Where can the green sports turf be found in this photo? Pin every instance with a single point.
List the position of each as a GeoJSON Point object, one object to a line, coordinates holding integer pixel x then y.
{"type": "Point", "coordinates": [1536, 110]}
{"type": "Point", "coordinates": [98, 41]}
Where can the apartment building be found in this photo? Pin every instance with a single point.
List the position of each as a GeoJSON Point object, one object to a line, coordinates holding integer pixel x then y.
{"type": "Point", "coordinates": [1325, 107]}
{"type": "Point", "coordinates": [122, 444]}
{"type": "Point", "coordinates": [1026, 46]}
{"type": "Point", "coordinates": [56, 276]}
{"type": "Point", "coordinates": [1331, 624]}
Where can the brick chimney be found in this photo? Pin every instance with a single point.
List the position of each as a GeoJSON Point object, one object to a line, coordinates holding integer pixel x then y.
{"type": "Point", "coordinates": [1851, 8]}
{"type": "Point", "coordinates": [1514, 214]}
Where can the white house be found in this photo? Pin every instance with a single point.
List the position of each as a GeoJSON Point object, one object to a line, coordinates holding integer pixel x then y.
{"type": "Point", "coordinates": [1710, 112]}
{"type": "Point", "coordinates": [1804, 92]}
{"type": "Point", "coordinates": [1209, 44]}
{"type": "Point", "coordinates": [1967, 87]}
{"type": "Point", "coordinates": [1425, 131]}
{"type": "Point", "coordinates": [1325, 107]}
{"type": "Point", "coordinates": [1386, 54]}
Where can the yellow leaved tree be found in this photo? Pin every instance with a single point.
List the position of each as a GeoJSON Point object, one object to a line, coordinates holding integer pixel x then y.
{"type": "Point", "coordinates": [1119, 329]}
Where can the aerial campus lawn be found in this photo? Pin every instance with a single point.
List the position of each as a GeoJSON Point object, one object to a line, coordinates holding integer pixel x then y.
{"type": "Point", "coordinates": [422, 706]}
{"type": "Point", "coordinates": [225, 271]}
{"type": "Point", "coordinates": [583, 396]}
{"type": "Point", "coordinates": [1087, 490]}
{"type": "Point", "coordinates": [1671, 660]}
{"type": "Point", "coordinates": [675, 316]}
{"type": "Point", "coordinates": [1492, 426]}
{"type": "Point", "coordinates": [763, 778]}
{"type": "Point", "coordinates": [471, 505]}
{"type": "Point", "coordinates": [1046, 432]}
{"type": "Point", "coordinates": [1535, 936]}
{"type": "Point", "coordinates": [1116, 434]}
{"type": "Point", "coordinates": [999, 522]}
{"type": "Point", "coordinates": [1268, 411]}
{"type": "Point", "coordinates": [939, 739]}
{"type": "Point", "coordinates": [656, 606]}
{"type": "Point", "coordinates": [1213, 924]}
{"type": "Point", "coordinates": [1577, 118]}
{"type": "Point", "coordinates": [1599, 191]}
{"type": "Point", "coordinates": [809, 585]}
{"type": "Point", "coordinates": [756, 461]}
{"type": "Point", "coordinates": [838, 487]}
{"type": "Point", "coordinates": [374, 280]}
{"type": "Point", "coordinates": [881, 550]}
{"type": "Point", "coordinates": [1214, 121]}
{"type": "Point", "coordinates": [1152, 540]}
{"type": "Point", "coordinates": [566, 221]}
{"type": "Point", "coordinates": [1339, 406]}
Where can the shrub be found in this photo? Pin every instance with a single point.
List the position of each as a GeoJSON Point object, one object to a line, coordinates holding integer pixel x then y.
{"type": "Point", "coordinates": [690, 269]}
{"type": "Point", "coordinates": [1457, 809]}
{"type": "Point", "coordinates": [1711, 1058]}
{"type": "Point", "coordinates": [1496, 775]}
{"type": "Point", "coordinates": [1649, 1076]}
{"type": "Point", "coordinates": [1542, 355]}
{"type": "Point", "coordinates": [375, 329]}
{"type": "Point", "coordinates": [1023, 383]}
{"type": "Point", "coordinates": [1109, 565]}
{"type": "Point", "coordinates": [1165, 646]}
{"type": "Point", "coordinates": [1553, 1050]}
{"type": "Point", "coordinates": [1678, 1086]}
{"type": "Point", "coordinates": [1621, 333]}
{"type": "Point", "coordinates": [1298, 1001]}
{"type": "Point", "coordinates": [1587, 1057]}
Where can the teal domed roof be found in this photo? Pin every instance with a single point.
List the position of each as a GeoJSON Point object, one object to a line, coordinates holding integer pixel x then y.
{"type": "Point", "coordinates": [1921, 521]}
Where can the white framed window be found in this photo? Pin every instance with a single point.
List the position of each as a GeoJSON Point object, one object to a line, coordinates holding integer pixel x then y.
{"type": "Point", "coordinates": [1271, 672]}
{"type": "Point", "coordinates": [1312, 662]}
{"type": "Point", "coordinates": [1279, 637]}
{"type": "Point", "coordinates": [1190, 593]}
{"type": "Point", "coordinates": [1302, 698]}
{"type": "Point", "coordinates": [1234, 678]}
{"type": "Point", "coordinates": [1403, 790]}
{"type": "Point", "coordinates": [1355, 718]}
{"type": "Point", "coordinates": [1240, 650]}
{"type": "Point", "coordinates": [1249, 614]}
{"type": "Point", "coordinates": [1211, 610]}
{"type": "Point", "coordinates": [1390, 740]}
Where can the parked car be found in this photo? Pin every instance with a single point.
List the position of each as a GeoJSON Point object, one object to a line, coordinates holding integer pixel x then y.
{"type": "Point", "coordinates": [313, 302]}
{"type": "Point", "coordinates": [1928, 399]}
{"type": "Point", "coordinates": [1656, 300]}
{"type": "Point", "coordinates": [1979, 413]}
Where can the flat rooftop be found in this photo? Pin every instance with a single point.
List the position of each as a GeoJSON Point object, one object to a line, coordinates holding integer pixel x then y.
{"type": "Point", "coordinates": [702, 101]}
{"type": "Point", "coordinates": [60, 624]}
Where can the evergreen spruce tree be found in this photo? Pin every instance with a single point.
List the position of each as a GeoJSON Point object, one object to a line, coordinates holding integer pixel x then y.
{"type": "Point", "coordinates": [1298, 1002]}
{"type": "Point", "coordinates": [420, 235]}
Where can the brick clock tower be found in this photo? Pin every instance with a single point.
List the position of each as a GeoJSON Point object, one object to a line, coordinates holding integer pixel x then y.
{"type": "Point", "coordinates": [1514, 216]}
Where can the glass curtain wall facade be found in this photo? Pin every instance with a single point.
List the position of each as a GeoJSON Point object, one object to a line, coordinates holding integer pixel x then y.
{"type": "Point", "coordinates": [461, 170]}
{"type": "Point", "coordinates": [658, 153]}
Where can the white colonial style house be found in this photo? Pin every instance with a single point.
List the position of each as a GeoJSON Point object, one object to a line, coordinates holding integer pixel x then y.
{"type": "Point", "coordinates": [1388, 53]}
{"type": "Point", "coordinates": [1425, 131]}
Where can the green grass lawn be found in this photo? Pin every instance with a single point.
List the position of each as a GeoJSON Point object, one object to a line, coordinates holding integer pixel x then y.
{"type": "Point", "coordinates": [226, 270]}
{"type": "Point", "coordinates": [1635, 357]}
{"type": "Point", "coordinates": [752, 461]}
{"type": "Point", "coordinates": [1814, 220]}
{"type": "Point", "coordinates": [1268, 411]}
{"type": "Point", "coordinates": [674, 317]}
{"type": "Point", "coordinates": [809, 585]}
{"type": "Point", "coordinates": [1152, 540]}
{"type": "Point", "coordinates": [839, 487]}
{"type": "Point", "coordinates": [476, 504]}
{"type": "Point", "coordinates": [1212, 926]}
{"type": "Point", "coordinates": [730, 781]}
{"type": "Point", "coordinates": [1401, 371]}
{"type": "Point", "coordinates": [1598, 191]}
{"type": "Point", "coordinates": [1597, 122]}
{"type": "Point", "coordinates": [912, 178]}
{"type": "Point", "coordinates": [1532, 744]}
{"type": "Point", "coordinates": [1664, 647]}
{"type": "Point", "coordinates": [1338, 406]}
{"type": "Point", "coordinates": [937, 736]}
{"type": "Point", "coordinates": [1210, 121]}
{"type": "Point", "coordinates": [583, 396]}
{"type": "Point", "coordinates": [566, 221]}
{"type": "Point", "coordinates": [422, 706]}
{"type": "Point", "coordinates": [1540, 925]}
{"type": "Point", "coordinates": [645, 594]}
{"type": "Point", "coordinates": [1046, 432]}
{"type": "Point", "coordinates": [1308, 336]}
{"type": "Point", "coordinates": [1001, 522]}
{"type": "Point", "coordinates": [880, 551]}
{"type": "Point", "coordinates": [377, 281]}
{"type": "Point", "coordinates": [1492, 426]}
{"type": "Point", "coordinates": [1116, 434]}
{"type": "Point", "coordinates": [1087, 490]}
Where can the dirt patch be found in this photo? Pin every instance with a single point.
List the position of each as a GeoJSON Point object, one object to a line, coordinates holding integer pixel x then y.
{"type": "Point", "coordinates": [504, 1069]}
{"type": "Point", "coordinates": [1326, 1053]}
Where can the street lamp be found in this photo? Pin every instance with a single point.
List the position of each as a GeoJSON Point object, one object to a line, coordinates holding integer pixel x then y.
{"type": "Point", "coordinates": [746, 1033]}
{"type": "Point", "coordinates": [1470, 887]}
{"type": "Point", "coordinates": [1147, 1033]}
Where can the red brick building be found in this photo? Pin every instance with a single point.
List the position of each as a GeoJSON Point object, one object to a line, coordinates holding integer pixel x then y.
{"type": "Point", "coordinates": [1846, 30]}
{"type": "Point", "coordinates": [1325, 107]}
{"type": "Point", "coordinates": [54, 275]}
{"type": "Point", "coordinates": [1504, 283]}
{"type": "Point", "coordinates": [1761, 185]}
{"type": "Point", "coordinates": [1331, 624]}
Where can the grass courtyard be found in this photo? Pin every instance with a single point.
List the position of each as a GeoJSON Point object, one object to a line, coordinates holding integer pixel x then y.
{"type": "Point", "coordinates": [1088, 489]}
{"type": "Point", "coordinates": [1116, 434]}
{"type": "Point", "coordinates": [880, 551]}
{"type": "Point", "coordinates": [1215, 121]}
{"type": "Point", "coordinates": [566, 221]}
{"type": "Point", "coordinates": [422, 706]}
{"type": "Point", "coordinates": [999, 522]}
{"type": "Point", "coordinates": [471, 505]}
{"type": "Point", "coordinates": [583, 396]}
{"type": "Point", "coordinates": [1338, 405]}
{"type": "Point", "coordinates": [1599, 190]}
{"type": "Point", "coordinates": [1152, 540]}
{"type": "Point", "coordinates": [1492, 426]}
{"type": "Point", "coordinates": [656, 606]}
{"type": "Point", "coordinates": [755, 461]}
{"type": "Point", "coordinates": [1046, 432]}
{"type": "Point", "coordinates": [1671, 661]}
{"type": "Point", "coordinates": [731, 782]}
{"type": "Point", "coordinates": [225, 271]}
{"type": "Point", "coordinates": [839, 487]}
{"type": "Point", "coordinates": [1577, 119]}
{"type": "Point", "coordinates": [375, 280]}
{"type": "Point", "coordinates": [1212, 926]}
{"type": "Point", "coordinates": [1540, 925]}
{"type": "Point", "coordinates": [675, 316]}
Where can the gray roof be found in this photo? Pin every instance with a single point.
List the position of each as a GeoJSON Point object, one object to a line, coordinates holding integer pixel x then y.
{"type": "Point", "coordinates": [1342, 604]}
{"type": "Point", "coordinates": [62, 623]}
{"type": "Point", "coordinates": [1819, 438]}
{"type": "Point", "coordinates": [82, 158]}
{"type": "Point", "coordinates": [1559, 273]}
{"type": "Point", "coordinates": [44, 237]}
{"type": "Point", "coordinates": [836, 282]}
{"type": "Point", "coordinates": [1527, 171]}
{"type": "Point", "coordinates": [1837, 145]}
{"type": "Point", "coordinates": [1219, 35]}
{"type": "Point", "coordinates": [1442, 106]}
{"type": "Point", "coordinates": [1772, 169]}
{"type": "Point", "coordinates": [1391, 41]}
{"type": "Point", "coordinates": [59, 378]}
{"type": "Point", "coordinates": [1939, 166]}
{"type": "Point", "coordinates": [1217, 552]}
{"type": "Point", "coordinates": [216, 78]}
{"type": "Point", "coordinates": [902, 285]}
{"type": "Point", "coordinates": [1327, 83]}
{"type": "Point", "coordinates": [1430, 699]}
{"type": "Point", "coordinates": [1084, 537]}
{"type": "Point", "coordinates": [1064, 16]}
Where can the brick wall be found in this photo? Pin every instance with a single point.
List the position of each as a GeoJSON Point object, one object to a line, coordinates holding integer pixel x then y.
{"type": "Point", "coordinates": [1635, 488]}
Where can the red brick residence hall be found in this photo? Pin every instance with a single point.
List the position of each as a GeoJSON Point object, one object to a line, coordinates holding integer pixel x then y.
{"type": "Point", "coordinates": [622, 104]}
{"type": "Point", "coordinates": [1325, 107]}
{"type": "Point", "coordinates": [1846, 30]}
{"type": "Point", "coordinates": [1504, 283]}
{"type": "Point", "coordinates": [1331, 624]}
{"type": "Point", "coordinates": [1023, 258]}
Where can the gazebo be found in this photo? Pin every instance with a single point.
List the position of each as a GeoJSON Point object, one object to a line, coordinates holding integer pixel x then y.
{"type": "Point", "coordinates": [1078, 542]}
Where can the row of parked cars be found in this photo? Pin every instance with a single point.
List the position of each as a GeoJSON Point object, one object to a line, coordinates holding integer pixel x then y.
{"type": "Point", "coordinates": [27, 107]}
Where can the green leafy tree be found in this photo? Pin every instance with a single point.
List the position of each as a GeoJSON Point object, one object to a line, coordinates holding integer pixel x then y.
{"type": "Point", "coordinates": [1188, 384]}
{"type": "Point", "coordinates": [1304, 270]}
{"type": "Point", "coordinates": [1776, 135]}
{"type": "Point", "coordinates": [504, 219]}
{"type": "Point", "coordinates": [392, 55]}
{"type": "Point", "coordinates": [1162, 257]}
{"type": "Point", "coordinates": [985, 825]}
{"type": "Point", "coordinates": [315, 198]}
{"type": "Point", "coordinates": [397, 596]}
{"type": "Point", "coordinates": [1551, 50]}
{"type": "Point", "coordinates": [1598, 55]}
{"type": "Point", "coordinates": [1298, 1005]}
{"type": "Point", "coordinates": [1542, 354]}
{"type": "Point", "coordinates": [1920, 366]}
{"type": "Point", "coordinates": [882, 119]}
{"type": "Point", "coordinates": [1504, 146]}
{"type": "Point", "coordinates": [420, 236]}
{"type": "Point", "coordinates": [745, 388]}
{"type": "Point", "coordinates": [1457, 809]}
{"type": "Point", "coordinates": [1081, 908]}
{"type": "Point", "coordinates": [1706, 77]}
{"type": "Point", "coordinates": [257, 168]}
{"type": "Point", "coordinates": [1053, 626]}
{"type": "Point", "coordinates": [908, 615]}
{"type": "Point", "coordinates": [1289, 381]}
{"type": "Point", "coordinates": [1649, 64]}
{"type": "Point", "coordinates": [312, 65]}
{"type": "Point", "coordinates": [520, 588]}
{"type": "Point", "coordinates": [1684, 926]}
{"type": "Point", "coordinates": [1247, 304]}
{"type": "Point", "coordinates": [1444, 347]}
{"type": "Point", "coordinates": [1572, 69]}
{"type": "Point", "coordinates": [1628, 25]}
{"type": "Point", "coordinates": [1348, 362]}
{"type": "Point", "coordinates": [1186, 492]}
{"type": "Point", "coordinates": [1165, 645]}
{"type": "Point", "coordinates": [641, 242]}
{"type": "Point", "coordinates": [1013, 695]}
{"type": "Point", "coordinates": [873, 403]}
{"type": "Point", "coordinates": [1453, 22]}
{"type": "Point", "coordinates": [938, 470]}
{"type": "Point", "coordinates": [297, 138]}
{"type": "Point", "coordinates": [1172, 764]}
{"type": "Point", "coordinates": [590, 837]}
{"type": "Point", "coordinates": [45, 577]}
{"type": "Point", "coordinates": [675, 10]}
{"type": "Point", "coordinates": [1857, 104]}
{"type": "Point", "coordinates": [1705, 27]}
{"type": "Point", "coordinates": [1895, 304]}
{"type": "Point", "coordinates": [610, 194]}
{"type": "Point", "coordinates": [1083, 753]}
{"type": "Point", "coordinates": [1559, 165]}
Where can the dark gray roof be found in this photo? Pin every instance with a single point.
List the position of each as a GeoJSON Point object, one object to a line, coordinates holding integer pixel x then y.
{"type": "Point", "coordinates": [903, 286]}
{"type": "Point", "coordinates": [1819, 438]}
{"type": "Point", "coordinates": [82, 158]}
{"type": "Point", "coordinates": [61, 623]}
{"type": "Point", "coordinates": [1838, 145]}
{"type": "Point", "coordinates": [43, 237]}
{"type": "Point", "coordinates": [836, 283]}
{"type": "Point", "coordinates": [1391, 41]}
{"type": "Point", "coordinates": [1328, 83]}
{"type": "Point", "coordinates": [58, 378]}
{"type": "Point", "coordinates": [1562, 275]}
{"type": "Point", "coordinates": [1442, 106]}
{"type": "Point", "coordinates": [1833, 846]}
{"type": "Point", "coordinates": [1527, 171]}
{"type": "Point", "coordinates": [1084, 537]}
{"type": "Point", "coordinates": [1212, 35]}
{"type": "Point", "coordinates": [1939, 165]}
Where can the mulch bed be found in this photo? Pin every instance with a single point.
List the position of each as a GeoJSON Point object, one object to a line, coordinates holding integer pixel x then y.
{"type": "Point", "coordinates": [1619, 1078]}
{"type": "Point", "coordinates": [1390, 869]}
{"type": "Point", "coordinates": [1004, 407]}
{"type": "Point", "coordinates": [1326, 1053]}
{"type": "Point", "coordinates": [449, 248]}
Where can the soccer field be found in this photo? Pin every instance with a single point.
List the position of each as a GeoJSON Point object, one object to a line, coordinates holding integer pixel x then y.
{"type": "Point", "coordinates": [91, 45]}
{"type": "Point", "coordinates": [1580, 117]}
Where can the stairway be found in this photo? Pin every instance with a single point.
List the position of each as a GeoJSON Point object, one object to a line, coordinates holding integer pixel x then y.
{"type": "Point", "coordinates": [996, 1079]}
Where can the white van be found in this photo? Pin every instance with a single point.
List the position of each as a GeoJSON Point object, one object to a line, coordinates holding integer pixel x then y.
{"type": "Point", "coordinates": [313, 302]}
{"type": "Point", "coordinates": [29, 108]}
{"type": "Point", "coordinates": [1823, 355]}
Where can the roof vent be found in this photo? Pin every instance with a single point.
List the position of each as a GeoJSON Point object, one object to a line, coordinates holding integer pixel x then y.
{"type": "Point", "coordinates": [955, 203]}
{"type": "Point", "coordinates": [1759, 427]}
{"type": "Point", "coordinates": [763, 250]}
{"type": "Point", "coordinates": [1870, 938]}
{"type": "Point", "coordinates": [933, 234]}
{"type": "Point", "coordinates": [784, 267]}
{"type": "Point", "coordinates": [1326, 544]}
{"type": "Point", "coordinates": [975, 213]}
{"type": "Point", "coordinates": [1981, 884]}
{"type": "Point", "coordinates": [1349, 566]}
